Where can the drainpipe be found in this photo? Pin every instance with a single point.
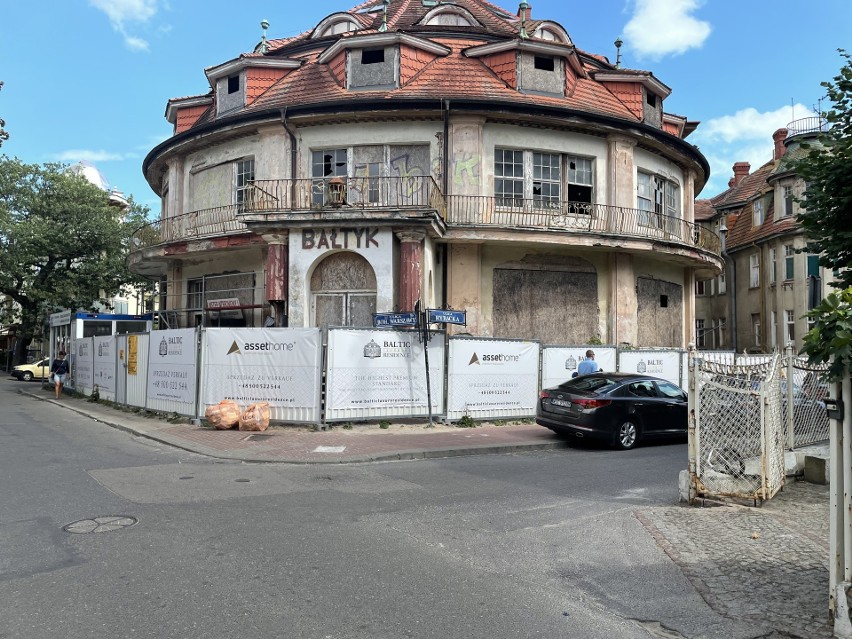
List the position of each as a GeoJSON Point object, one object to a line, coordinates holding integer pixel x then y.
{"type": "Point", "coordinates": [763, 341]}
{"type": "Point", "coordinates": [446, 166]}
{"type": "Point", "coordinates": [731, 288]}
{"type": "Point", "coordinates": [293, 155]}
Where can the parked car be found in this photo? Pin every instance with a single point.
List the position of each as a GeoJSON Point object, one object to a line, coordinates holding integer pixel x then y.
{"type": "Point", "coordinates": [619, 408]}
{"type": "Point", "coordinates": [28, 372]}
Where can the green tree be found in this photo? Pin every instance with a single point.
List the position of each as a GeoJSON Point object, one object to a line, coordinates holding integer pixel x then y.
{"type": "Point", "coordinates": [827, 172]}
{"type": "Point", "coordinates": [62, 245]}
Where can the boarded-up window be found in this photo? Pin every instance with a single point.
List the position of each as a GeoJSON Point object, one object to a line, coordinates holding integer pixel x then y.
{"type": "Point", "coordinates": [659, 325]}
{"type": "Point", "coordinates": [343, 288]}
{"type": "Point", "coordinates": [555, 305]}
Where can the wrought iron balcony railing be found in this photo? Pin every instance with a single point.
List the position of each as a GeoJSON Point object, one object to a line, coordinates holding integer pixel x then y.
{"type": "Point", "coordinates": [349, 193]}
{"type": "Point", "coordinates": [221, 220]}
{"type": "Point", "coordinates": [807, 125]}
{"type": "Point", "coordinates": [354, 194]}
{"type": "Point", "coordinates": [577, 217]}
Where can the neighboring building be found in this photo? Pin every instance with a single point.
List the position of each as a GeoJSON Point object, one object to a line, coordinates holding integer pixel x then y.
{"type": "Point", "coordinates": [759, 303]}
{"type": "Point", "coordinates": [131, 301]}
{"type": "Point", "coordinates": [456, 154]}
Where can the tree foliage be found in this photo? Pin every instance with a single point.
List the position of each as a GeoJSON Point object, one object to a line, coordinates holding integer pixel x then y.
{"type": "Point", "coordinates": [827, 171]}
{"type": "Point", "coordinates": [830, 338]}
{"type": "Point", "coordinates": [62, 244]}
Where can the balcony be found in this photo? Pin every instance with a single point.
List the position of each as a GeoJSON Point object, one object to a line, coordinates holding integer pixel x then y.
{"type": "Point", "coordinates": [578, 217]}
{"type": "Point", "coordinates": [370, 197]}
{"type": "Point", "coordinates": [351, 194]}
{"type": "Point", "coordinates": [221, 220]}
{"type": "Point", "coordinates": [807, 125]}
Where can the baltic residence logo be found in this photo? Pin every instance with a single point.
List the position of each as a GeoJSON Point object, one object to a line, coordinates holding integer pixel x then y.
{"type": "Point", "coordinates": [372, 350]}
{"type": "Point", "coordinates": [388, 348]}
{"type": "Point", "coordinates": [260, 347]}
{"type": "Point", "coordinates": [493, 358]}
{"type": "Point", "coordinates": [172, 345]}
{"type": "Point", "coordinates": [570, 363]}
{"type": "Point", "coordinates": [641, 367]}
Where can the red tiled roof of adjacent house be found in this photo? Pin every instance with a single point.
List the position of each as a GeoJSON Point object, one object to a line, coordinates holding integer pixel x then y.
{"type": "Point", "coordinates": [739, 202]}
{"type": "Point", "coordinates": [704, 210]}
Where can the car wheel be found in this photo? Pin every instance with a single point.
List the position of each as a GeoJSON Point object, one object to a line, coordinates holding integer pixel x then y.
{"type": "Point", "coordinates": [27, 376]}
{"type": "Point", "coordinates": [627, 434]}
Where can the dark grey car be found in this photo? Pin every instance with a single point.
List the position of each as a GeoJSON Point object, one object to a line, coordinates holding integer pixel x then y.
{"type": "Point", "coordinates": [619, 408]}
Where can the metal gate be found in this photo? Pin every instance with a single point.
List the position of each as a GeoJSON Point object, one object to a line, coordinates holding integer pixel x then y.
{"type": "Point", "coordinates": [737, 430]}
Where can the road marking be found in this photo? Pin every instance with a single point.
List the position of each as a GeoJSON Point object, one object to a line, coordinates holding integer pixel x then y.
{"type": "Point", "coordinates": [329, 449]}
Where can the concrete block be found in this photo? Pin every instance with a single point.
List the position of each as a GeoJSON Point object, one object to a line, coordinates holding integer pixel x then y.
{"type": "Point", "coordinates": [817, 469]}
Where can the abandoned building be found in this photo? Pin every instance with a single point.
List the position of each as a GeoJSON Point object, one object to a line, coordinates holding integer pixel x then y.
{"type": "Point", "coordinates": [451, 153]}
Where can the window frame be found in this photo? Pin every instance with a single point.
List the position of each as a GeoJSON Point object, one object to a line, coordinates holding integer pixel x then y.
{"type": "Point", "coordinates": [757, 213]}
{"type": "Point", "coordinates": [700, 334]}
{"type": "Point", "coordinates": [539, 168]}
{"type": "Point", "coordinates": [244, 176]}
{"type": "Point", "coordinates": [754, 270]}
{"type": "Point", "coordinates": [790, 323]}
{"type": "Point", "coordinates": [788, 195]}
{"type": "Point", "coordinates": [789, 262]}
{"type": "Point", "coordinates": [659, 196]}
{"type": "Point", "coordinates": [773, 266]}
{"type": "Point", "coordinates": [509, 158]}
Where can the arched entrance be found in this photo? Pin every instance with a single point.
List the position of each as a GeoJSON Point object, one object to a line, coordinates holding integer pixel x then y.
{"type": "Point", "coordinates": [343, 291]}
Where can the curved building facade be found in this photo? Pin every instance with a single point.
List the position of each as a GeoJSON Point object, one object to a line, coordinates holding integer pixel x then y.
{"type": "Point", "coordinates": [456, 154]}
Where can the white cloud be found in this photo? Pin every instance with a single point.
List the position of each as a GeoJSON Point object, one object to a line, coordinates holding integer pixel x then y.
{"type": "Point", "coordinates": [745, 136]}
{"type": "Point", "coordinates": [77, 155]}
{"type": "Point", "coordinates": [123, 12]}
{"type": "Point", "coordinates": [750, 124]}
{"type": "Point", "coordinates": [665, 27]}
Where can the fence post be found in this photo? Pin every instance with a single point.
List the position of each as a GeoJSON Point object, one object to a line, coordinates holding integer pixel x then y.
{"type": "Point", "coordinates": [791, 382]}
{"type": "Point", "coordinates": [692, 425]}
{"type": "Point", "coordinates": [836, 564]}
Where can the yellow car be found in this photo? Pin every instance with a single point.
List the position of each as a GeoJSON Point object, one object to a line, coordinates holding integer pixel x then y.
{"type": "Point", "coordinates": [28, 372]}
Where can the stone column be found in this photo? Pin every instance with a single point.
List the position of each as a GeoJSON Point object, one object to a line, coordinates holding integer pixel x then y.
{"type": "Point", "coordinates": [277, 275]}
{"type": "Point", "coordinates": [689, 334]}
{"type": "Point", "coordinates": [621, 172]}
{"type": "Point", "coordinates": [623, 302]}
{"type": "Point", "coordinates": [410, 268]}
{"type": "Point", "coordinates": [464, 286]}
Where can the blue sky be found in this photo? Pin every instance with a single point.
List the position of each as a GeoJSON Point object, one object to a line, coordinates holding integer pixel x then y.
{"type": "Point", "coordinates": [89, 79]}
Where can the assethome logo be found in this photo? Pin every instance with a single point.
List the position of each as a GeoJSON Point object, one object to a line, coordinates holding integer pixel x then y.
{"type": "Point", "coordinates": [493, 358]}
{"type": "Point", "coordinates": [261, 347]}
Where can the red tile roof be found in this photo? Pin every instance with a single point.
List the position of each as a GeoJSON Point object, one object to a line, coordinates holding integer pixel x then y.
{"type": "Point", "coordinates": [454, 76]}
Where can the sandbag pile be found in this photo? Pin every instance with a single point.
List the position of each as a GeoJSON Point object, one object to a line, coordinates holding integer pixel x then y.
{"type": "Point", "coordinates": [224, 415]}
{"type": "Point", "coordinates": [255, 417]}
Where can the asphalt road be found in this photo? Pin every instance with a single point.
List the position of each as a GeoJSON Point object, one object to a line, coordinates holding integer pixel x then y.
{"type": "Point", "coordinates": [540, 544]}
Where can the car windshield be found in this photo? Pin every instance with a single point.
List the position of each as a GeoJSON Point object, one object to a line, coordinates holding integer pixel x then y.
{"type": "Point", "coordinates": [590, 384]}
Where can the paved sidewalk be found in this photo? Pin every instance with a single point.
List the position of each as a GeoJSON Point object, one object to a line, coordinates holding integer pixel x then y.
{"type": "Point", "coordinates": [302, 445]}
{"type": "Point", "coordinates": [765, 569]}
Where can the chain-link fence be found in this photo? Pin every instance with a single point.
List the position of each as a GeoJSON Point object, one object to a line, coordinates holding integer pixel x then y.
{"type": "Point", "coordinates": [808, 421]}
{"type": "Point", "coordinates": [737, 432]}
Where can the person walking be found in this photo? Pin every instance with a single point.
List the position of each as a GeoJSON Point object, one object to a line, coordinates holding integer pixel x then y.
{"type": "Point", "coordinates": [59, 372]}
{"type": "Point", "coordinates": [588, 365]}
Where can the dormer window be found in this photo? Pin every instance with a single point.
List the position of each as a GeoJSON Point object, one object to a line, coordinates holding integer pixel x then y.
{"type": "Point", "coordinates": [233, 84]}
{"type": "Point", "coordinates": [372, 56]}
{"type": "Point", "coordinates": [445, 16]}
{"type": "Point", "coordinates": [651, 99]}
{"type": "Point", "coordinates": [335, 24]}
{"type": "Point", "coordinates": [544, 63]}
{"type": "Point", "coordinates": [552, 32]}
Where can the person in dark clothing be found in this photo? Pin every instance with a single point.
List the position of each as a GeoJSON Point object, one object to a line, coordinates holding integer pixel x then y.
{"type": "Point", "coordinates": [59, 371]}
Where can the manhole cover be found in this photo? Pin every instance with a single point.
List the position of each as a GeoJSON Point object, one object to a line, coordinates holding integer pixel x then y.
{"type": "Point", "coordinates": [99, 525]}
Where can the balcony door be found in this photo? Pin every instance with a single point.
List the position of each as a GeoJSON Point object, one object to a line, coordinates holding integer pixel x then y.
{"type": "Point", "coordinates": [343, 291]}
